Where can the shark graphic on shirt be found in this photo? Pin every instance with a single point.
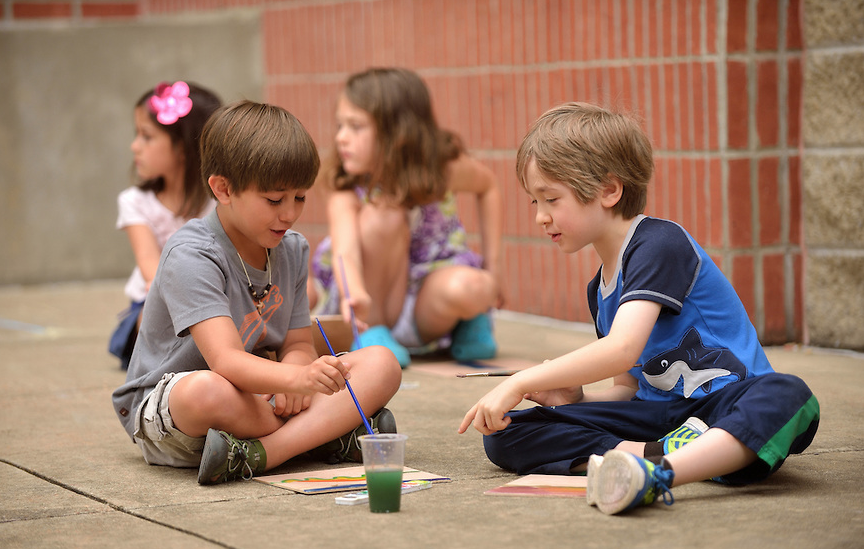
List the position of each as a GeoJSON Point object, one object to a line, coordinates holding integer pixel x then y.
{"type": "Point", "coordinates": [696, 364]}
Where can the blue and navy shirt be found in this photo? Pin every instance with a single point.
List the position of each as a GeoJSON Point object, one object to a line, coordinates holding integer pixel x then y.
{"type": "Point", "coordinates": [703, 338]}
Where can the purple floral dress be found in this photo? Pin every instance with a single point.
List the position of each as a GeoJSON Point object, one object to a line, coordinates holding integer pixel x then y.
{"type": "Point", "coordinates": [438, 240]}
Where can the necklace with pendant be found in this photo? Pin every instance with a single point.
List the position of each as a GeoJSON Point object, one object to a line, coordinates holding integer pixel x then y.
{"type": "Point", "coordinates": [258, 297]}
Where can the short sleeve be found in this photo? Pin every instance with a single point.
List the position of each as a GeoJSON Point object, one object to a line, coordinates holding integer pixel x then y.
{"type": "Point", "coordinates": [131, 208]}
{"type": "Point", "coordinates": [190, 303]}
{"type": "Point", "coordinates": [660, 265]}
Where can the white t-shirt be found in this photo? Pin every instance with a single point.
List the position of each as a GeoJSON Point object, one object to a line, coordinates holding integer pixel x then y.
{"type": "Point", "coordinates": [139, 207]}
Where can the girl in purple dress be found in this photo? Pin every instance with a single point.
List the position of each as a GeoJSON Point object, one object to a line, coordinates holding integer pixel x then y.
{"type": "Point", "coordinates": [413, 282]}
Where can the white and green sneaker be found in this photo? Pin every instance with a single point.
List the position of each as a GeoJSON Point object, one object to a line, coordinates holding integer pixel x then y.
{"type": "Point", "coordinates": [688, 432]}
{"type": "Point", "coordinates": [622, 481]}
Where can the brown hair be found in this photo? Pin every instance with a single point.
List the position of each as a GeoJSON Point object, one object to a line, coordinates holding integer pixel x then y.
{"type": "Point", "coordinates": [187, 133]}
{"type": "Point", "coordinates": [252, 143]}
{"type": "Point", "coordinates": [582, 145]}
{"type": "Point", "coordinates": [413, 152]}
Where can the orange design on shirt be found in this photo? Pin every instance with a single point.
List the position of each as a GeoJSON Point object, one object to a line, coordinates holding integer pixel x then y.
{"type": "Point", "coordinates": [254, 322]}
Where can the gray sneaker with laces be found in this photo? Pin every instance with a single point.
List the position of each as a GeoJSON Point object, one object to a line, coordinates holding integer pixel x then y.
{"type": "Point", "coordinates": [226, 457]}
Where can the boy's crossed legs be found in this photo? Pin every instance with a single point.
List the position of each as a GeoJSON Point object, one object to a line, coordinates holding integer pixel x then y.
{"type": "Point", "coordinates": [205, 400]}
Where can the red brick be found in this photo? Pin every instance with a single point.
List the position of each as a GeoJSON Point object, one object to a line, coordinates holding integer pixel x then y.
{"type": "Point", "coordinates": [738, 110]}
{"type": "Point", "coordinates": [483, 18]}
{"type": "Point", "coordinates": [736, 26]}
{"type": "Point", "coordinates": [667, 29]}
{"type": "Point", "coordinates": [658, 102]}
{"type": "Point", "coordinates": [588, 31]}
{"type": "Point", "coordinates": [703, 209]}
{"type": "Point", "coordinates": [655, 48]}
{"type": "Point", "coordinates": [793, 26]}
{"type": "Point", "coordinates": [711, 26]}
{"type": "Point", "coordinates": [774, 298]}
{"type": "Point", "coordinates": [794, 96]}
{"type": "Point", "coordinates": [109, 9]}
{"type": "Point", "coordinates": [743, 280]}
{"type": "Point", "coordinates": [713, 129]}
{"type": "Point", "coordinates": [512, 39]}
{"type": "Point", "coordinates": [639, 13]}
{"type": "Point", "coordinates": [715, 186]}
{"type": "Point", "coordinates": [767, 104]}
{"type": "Point", "coordinates": [798, 293]}
{"type": "Point", "coordinates": [740, 204]}
{"type": "Point", "coordinates": [767, 25]}
{"type": "Point", "coordinates": [41, 10]}
{"type": "Point", "coordinates": [671, 107]}
{"type": "Point", "coordinates": [770, 209]}
{"type": "Point", "coordinates": [795, 191]}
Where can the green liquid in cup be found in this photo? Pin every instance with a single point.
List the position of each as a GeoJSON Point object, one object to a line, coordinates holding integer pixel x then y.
{"type": "Point", "coordinates": [385, 490]}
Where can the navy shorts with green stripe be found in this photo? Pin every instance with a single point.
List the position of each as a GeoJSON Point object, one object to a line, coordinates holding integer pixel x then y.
{"type": "Point", "coordinates": [774, 415]}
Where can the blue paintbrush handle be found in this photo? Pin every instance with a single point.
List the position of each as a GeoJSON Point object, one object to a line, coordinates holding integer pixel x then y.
{"type": "Point", "coordinates": [350, 390]}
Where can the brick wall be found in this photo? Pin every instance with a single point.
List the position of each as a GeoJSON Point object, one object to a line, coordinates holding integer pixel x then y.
{"type": "Point", "coordinates": [717, 83]}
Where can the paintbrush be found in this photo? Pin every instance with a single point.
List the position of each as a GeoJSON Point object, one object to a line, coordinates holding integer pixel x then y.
{"type": "Point", "coordinates": [350, 390]}
{"type": "Point", "coordinates": [501, 373]}
{"type": "Point", "coordinates": [354, 330]}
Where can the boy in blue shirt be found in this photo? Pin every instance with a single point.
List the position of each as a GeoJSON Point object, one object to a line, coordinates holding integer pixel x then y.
{"type": "Point", "coordinates": [702, 402]}
{"type": "Point", "coordinates": [229, 294]}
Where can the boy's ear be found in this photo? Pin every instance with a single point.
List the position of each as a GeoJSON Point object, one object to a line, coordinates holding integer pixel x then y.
{"type": "Point", "coordinates": [612, 191]}
{"type": "Point", "coordinates": [220, 187]}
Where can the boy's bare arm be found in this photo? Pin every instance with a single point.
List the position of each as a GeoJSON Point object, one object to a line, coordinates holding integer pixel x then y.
{"type": "Point", "coordinates": [607, 357]}
{"type": "Point", "coordinates": [219, 343]}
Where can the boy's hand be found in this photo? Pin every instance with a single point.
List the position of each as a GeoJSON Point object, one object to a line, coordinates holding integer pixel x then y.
{"type": "Point", "coordinates": [291, 404]}
{"type": "Point", "coordinates": [556, 397]}
{"type": "Point", "coordinates": [326, 374]}
{"type": "Point", "coordinates": [487, 415]}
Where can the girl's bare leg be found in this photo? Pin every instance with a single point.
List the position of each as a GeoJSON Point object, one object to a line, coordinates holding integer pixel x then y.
{"type": "Point", "coordinates": [384, 240]}
{"type": "Point", "coordinates": [451, 294]}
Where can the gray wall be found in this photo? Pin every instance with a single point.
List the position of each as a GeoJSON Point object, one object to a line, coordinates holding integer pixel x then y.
{"type": "Point", "coordinates": [833, 173]}
{"type": "Point", "coordinates": [67, 94]}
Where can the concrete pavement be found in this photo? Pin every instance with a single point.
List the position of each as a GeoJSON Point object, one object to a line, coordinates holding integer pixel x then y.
{"type": "Point", "coordinates": [69, 476]}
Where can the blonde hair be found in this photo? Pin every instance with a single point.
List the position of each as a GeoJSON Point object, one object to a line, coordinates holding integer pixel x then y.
{"type": "Point", "coordinates": [251, 143]}
{"type": "Point", "coordinates": [583, 145]}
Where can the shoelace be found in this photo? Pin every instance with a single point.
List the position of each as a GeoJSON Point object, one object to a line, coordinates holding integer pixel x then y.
{"type": "Point", "coordinates": [662, 483]}
{"type": "Point", "coordinates": [239, 450]}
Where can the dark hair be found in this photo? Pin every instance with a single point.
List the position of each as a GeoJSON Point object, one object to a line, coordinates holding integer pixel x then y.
{"type": "Point", "coordinates": [251, 143]}
{"type": "Point", "coordinates": [187, 133]}
{"type": "Point", "coordinates": [413, 152]}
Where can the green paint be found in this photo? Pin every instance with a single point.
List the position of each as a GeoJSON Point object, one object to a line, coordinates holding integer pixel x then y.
{"type": "Point", "coordinates": [385, 490]}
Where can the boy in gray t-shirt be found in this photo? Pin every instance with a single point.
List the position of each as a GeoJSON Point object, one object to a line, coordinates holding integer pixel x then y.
{"type": "Point", "coordinates": [230, 293]}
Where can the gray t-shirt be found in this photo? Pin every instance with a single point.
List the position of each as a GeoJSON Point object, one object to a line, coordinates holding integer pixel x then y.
{"type": "Point", "coordinates": [200, 276]}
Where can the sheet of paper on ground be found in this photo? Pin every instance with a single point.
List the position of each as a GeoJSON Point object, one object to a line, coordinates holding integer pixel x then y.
{"type": "Point", "coordinates": [543, 485]}
{"type": "Point", "coordinates": [337, 480]}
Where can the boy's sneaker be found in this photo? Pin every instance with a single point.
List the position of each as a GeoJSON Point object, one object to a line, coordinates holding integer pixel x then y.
{"type": "Point", "coordinates": [347, 447]}
{"type": "Point", "coordinates": [594, 463]}
{"type": "Point", "coordinates": [688, 432]}
{"type": "Point", "coordinates": [380, 335]}
{"type": "Point", "coordinates": [623, 481]}
{"type": "Point", "coordinates": [473, 339]}
{"type": "Point", "coordinates": [226, 457]}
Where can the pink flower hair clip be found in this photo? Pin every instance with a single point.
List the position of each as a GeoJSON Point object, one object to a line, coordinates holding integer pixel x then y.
{"type": "Point", "coordinates": [170, 103]}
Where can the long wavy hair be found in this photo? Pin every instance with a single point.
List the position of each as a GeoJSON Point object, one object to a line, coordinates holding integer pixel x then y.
{"type": "Point", "coordinates": [187, 133]}
{"type": "Point", "coordinates": [412, 151]}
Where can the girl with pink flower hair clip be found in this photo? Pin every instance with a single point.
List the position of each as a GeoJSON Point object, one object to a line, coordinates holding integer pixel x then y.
{"type": "Point", "coordinates": [169, 190]}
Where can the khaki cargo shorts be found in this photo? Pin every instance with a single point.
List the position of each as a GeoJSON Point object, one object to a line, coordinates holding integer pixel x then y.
{"type": "Point", "coordinates": [160, 441]}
